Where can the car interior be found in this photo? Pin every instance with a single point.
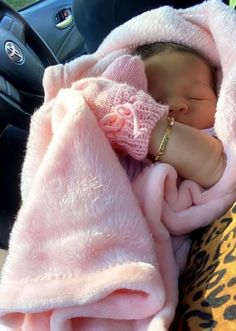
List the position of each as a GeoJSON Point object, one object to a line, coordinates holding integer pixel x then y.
{"type": "Point", "coordinates": [39, 35]}
{"type": "Point", "coordinates": [42, 34]}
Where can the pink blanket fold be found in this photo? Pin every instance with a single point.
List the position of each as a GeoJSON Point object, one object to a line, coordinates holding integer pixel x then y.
{"type": "Point", "coordinates": [81, 253]}
{"type": "Point", "coordinates": [89, 250]}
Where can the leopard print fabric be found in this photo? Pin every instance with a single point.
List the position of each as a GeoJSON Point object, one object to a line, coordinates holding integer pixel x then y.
{"type": "Point", "coordinates": [208, 284]}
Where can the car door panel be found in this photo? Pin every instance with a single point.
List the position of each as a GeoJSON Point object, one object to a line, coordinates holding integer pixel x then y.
{"type": "Point", "coordinates": [66, 43]}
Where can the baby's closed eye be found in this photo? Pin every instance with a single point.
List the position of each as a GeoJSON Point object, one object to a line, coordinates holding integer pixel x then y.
{"type": "Point", "coordinates": [196, 98]}
{"type": "Point", "coordinates": [201, 93]}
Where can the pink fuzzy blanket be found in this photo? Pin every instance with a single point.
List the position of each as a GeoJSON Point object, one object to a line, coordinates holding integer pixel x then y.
{"type": "Point", "coordinates": [89, 250]}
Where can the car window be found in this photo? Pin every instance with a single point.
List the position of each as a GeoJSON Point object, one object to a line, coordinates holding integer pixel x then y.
{"type": "Point", "coordinates": [19, 4]}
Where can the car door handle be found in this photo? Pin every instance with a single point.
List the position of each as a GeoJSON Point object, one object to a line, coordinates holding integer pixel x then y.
{"type": "Point", "coordinates": [64, 24]}
{"type": "Point", "coordinates": [63, 18]}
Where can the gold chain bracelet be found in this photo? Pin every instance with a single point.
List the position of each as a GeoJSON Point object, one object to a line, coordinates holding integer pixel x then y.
{"type": "Point", "coordinates": [165, 139]}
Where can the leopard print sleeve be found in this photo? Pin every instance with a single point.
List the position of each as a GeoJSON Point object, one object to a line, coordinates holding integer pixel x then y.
{"type": "Point", "coordinates": [208, 284]}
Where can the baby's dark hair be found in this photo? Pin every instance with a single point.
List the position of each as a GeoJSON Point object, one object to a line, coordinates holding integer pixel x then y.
{"type": "Point", "coordinates": [145, 51]}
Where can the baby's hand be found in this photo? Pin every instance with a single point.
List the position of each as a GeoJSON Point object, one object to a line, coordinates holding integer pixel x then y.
{"type": "Point", "coordinates": [127, 114]}
{"type": "Point", "coordinates": [194, 154]}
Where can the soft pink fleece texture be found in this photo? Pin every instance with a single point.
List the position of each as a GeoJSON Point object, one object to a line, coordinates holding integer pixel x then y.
{"type": "Point", "coordinates": [89, 251]}
{"type": "Point", "coordinates": [81, 246]}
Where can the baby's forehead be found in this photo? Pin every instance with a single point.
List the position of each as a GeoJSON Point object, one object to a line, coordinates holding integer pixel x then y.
{"type": "Point", "coordinates": [171, 62]}
{"type": "Point", "coordinates": [183, 58]}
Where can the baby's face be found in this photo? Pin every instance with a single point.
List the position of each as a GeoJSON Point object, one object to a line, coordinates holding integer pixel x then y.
{"type": "Point", "coordinates": [183, 81]}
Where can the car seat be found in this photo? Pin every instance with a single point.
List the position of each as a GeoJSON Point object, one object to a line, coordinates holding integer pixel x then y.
{"type": "Point", "coordinates": [96, 18]}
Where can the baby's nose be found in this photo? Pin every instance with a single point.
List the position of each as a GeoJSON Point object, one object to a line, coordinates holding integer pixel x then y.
{"type": "Point", "coordinates": [177, 105]}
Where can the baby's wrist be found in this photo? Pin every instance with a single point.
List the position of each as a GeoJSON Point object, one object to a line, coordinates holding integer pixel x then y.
{"type": "Point", "coordinates": [156, 137]}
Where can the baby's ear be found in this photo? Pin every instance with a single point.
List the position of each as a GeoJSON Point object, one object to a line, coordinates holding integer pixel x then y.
{"type": "Point", "coordinates": [127, 69]}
